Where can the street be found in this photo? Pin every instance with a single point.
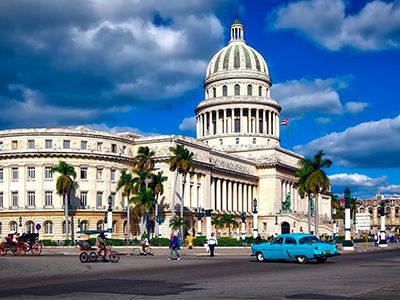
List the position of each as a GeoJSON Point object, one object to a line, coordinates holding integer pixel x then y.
{"type": "Point", "coordinates": [356, 275]}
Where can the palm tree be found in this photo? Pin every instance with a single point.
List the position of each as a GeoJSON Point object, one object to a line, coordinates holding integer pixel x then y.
{"type": "Point", "coordinates": [180, 161]}
{"type": "Point", "coordinates": [354, 204]}
{"type": "Point", "coordinates": [340, 212]}
{"type": "Point", "coordinates": [335, 203]}
{"type": "Point", "coordinates": [303, 190]}
{"type": "Point", "coordinates": [315, 179]}
{"type": "Point", "coordinates": [178, 222]}
{"type": "Point", "coordinates": [128, 184]}
{"type": "Point", "coordinates": [158, 188]}
{"type": "Point", "coordinates": [229, 220]}
{"type": "Point", "coordinates": [143, 201]}
{"type": "Point", "coordinates": [218, 223]}
{"type": "Point", "coordinates": [64, 186]}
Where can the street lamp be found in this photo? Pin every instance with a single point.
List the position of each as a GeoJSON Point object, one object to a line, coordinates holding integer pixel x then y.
{"type": "Point", "coordinates": [159, 219]}
{"type": "Point", "coordinates": [109, 216]}
{"type": "Point", "coordinates": [199, 214]}
{"type": "Point", "coordinates": [79, 229]}
{"type": "Point", "coordinates": [20, 225]}
{"type": "Point", "coordinates": [383, 242]}
{"type": "Point", "coordinates": [276, 226]}
{"type": "Point", "coordinates": [347, 243]}
{"type": "Point", "coordinates": [255, 218]}
{"type": "Point", "coordinates": [243, 217]}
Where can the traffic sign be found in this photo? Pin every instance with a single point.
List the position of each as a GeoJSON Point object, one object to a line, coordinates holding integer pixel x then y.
{"type": "Point", "coordinates": [38, 226]}
{"type": "Point", "coordinates": [363, 221]}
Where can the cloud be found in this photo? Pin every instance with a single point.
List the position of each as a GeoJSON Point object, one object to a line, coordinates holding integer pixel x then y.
{"type": "Point", "coordinates": [188, 124]}
{"type": "Point", "coordinates": [374, 144]}
{"type": "Point", "coordinates": [355, 107]}
{"type": "Point", "coordinates": [389, 190]}
{"type": "Point", "coordinates": [118, 129]}
{"type": "Point", "coordinates": [359, 180]}
{"type": "Point", "coordinates": [323, 120]}
{"type": "Point", "coordinates": [375, 27]}
{"type": "Point", "coordinates": [94, 55]}
{"type": "Point", "coordinates": [299, 97]}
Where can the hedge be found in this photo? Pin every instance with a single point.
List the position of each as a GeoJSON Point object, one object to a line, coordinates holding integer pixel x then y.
{"type": "Point", "coordinates": [159, 242]}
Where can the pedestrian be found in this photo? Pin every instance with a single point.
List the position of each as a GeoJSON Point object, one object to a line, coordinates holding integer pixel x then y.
{"type": "Point", "coordinates": [376, 239]}
{"type": "Point", "coordinates": [258, 239]}
{"type": "Point", "coordinates": [212, 242]}
{"type": "Point", "coordinates": [143, 235]}
{"type": "Point", "coordinates": [190, 242]}
{"type": "Point", "coordinates": [173, 246]}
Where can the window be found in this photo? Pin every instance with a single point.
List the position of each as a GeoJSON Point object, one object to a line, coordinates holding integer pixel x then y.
{"type": "Point", "coordinates": [13, 226]}
{"type": "Point", "coordinates": [48, 198]}
{"type": "Point", "coordinates": [113, 148]}
{"type": "Point", "coordinates": [84, 173]}
{"type": "Point", "coordinates": [14, 199]}
{"type": "Point", "coordinates": [278, 240]}
{"type": "Point", "coordinates": [214, 92]}
{"type": "Point", "coordinates": [1, 146]}
{"type": "Point", "coordinates": [99, 174]}
{"type": "Point", "coordinates": [83, 199]}
{"type": "Point", "coordinates": [237, 141]}
{"type": "Point", "coordinates": [99, 146]}
{"type": "Point", "coordinates": [1, 174]}
{"type": "Point", "coordinates": [237, 125]}
{"type": "Point", "coordinates": [114, 227]}
{"type": "Point", "coordinates": [67, 144]}
{"type": "Point", "coordinates": [31, 172]}
{"type": "Point", "coordinates": [84, 145]}
{"type": "Point", "coordinates": [14, 173]}
{"type": "Point", "coordinates": [123, 149]}
{"type": "Point", "coordinates": [249, 90]}
{"type": "Point", "coordinates": [1, 199]}
{"type": "Point", "coordinates": [49, 144]}
{"type": "Point", "coordinates": [254, 141]}
{"type": "Point", "coordinates": [99, 199]}
{"type": "Point", "coordinates": [308, 240]}
{"type": "Point", "coordinates": [48, 174]}
{"type": "Point", "coordinates": [113, 199]}
{"type": "Point", "coordinates": [31, 199]}
{"type": "Point", "coordinates": [112, 175]}
{"type": "Point", "coordinates": [84, 225]}
{"type": "Point", "coordinates": [225, 90]}
{"type": "Point", "coordinates": [31, 144]}
{"type": "Point", "coordinates": [100, 225]}
{"type": "Point", "coordinates": [14, 145]}
{"type": "Point", "coordinates": [237, 90]}
{"type": "Point", "coordinates": [260, 91]}
{"type": "Point", "coordinates": [290, 240]}
{"type": "Point", "coordinates": [48, 228]}
{"type": "Point", "coordinates": [30, 227]}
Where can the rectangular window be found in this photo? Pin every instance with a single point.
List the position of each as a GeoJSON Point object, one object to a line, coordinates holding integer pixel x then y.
{"type": "Point", "coordinates": [99, 174]}
{"type": "Point", "coordinates": [49, 144]}
{"type": "Point", "coordinates": [113, 199]}
{"type": "Point", "coordinates": [83, 173]}
{"type": "Point", "coordinates": [112, 175]}
{"type": "Point", "coordinates": [48, 198]}
{"type": "Point", "coordinates": [67, 144]}
{"type": "Point", "coordinates": [31, 144]}
{"type": "Point", "coordinates": [84, 199]}
{"type": "Point", "coordinates": [1, 146]}
{"type": "Point", "coordinates": [99, 199]}
{"type": "Point", "coordinates": [15, 199]}
{"type": "Point", "coordinates": [1, 199]}
{"type": "Point", "coordinates": [48, 174]}
{"type": "Point", "coordinates": [237, 125]}
{"type": "Point", "coordinates": [113, 148]}
{"type": "Point", "coordinates": [14, 173]}
{"type": "Point", "coordinates": [31, 198]}
{"type": "Point", "coordinates": [84, 145]}
{"type": "Point", "coordinates": [99, 146]}
{"type": "Point", "coordinates": [14, 145]}
{"type": "Point", "coordinates": [31, 172]}
{"type": "Point", "coordinates": [1, 174]}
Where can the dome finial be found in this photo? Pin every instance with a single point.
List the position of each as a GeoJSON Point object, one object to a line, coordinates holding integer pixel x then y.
{"type": "Point", "coordinates": [237, 29]}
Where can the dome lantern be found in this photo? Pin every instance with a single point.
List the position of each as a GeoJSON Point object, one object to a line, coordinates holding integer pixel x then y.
{"type": "Point", "coordinates": [237, 31]}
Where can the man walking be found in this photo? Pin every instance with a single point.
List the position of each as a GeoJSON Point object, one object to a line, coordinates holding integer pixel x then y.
{"type": "Point", "coordinates": [212, 242]}
{"type": "Point", "coordinates": [173, 246]}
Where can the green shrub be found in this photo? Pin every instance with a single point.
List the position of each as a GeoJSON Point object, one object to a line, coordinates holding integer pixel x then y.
{"type": "Point", "coordinates": [159, 242]}
{"type": "Point", "coordinates": [199, 240]}
{"type": "Point", "coordinates": [227, 241]}
{"type": "Point", "coordinates": [49, 243]}
{"type": "Point", "coordinates": [67, 243]}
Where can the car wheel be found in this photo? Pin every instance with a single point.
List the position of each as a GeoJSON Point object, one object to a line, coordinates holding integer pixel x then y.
{"type": "Point", "coordinates": [260, 257]}
{"type": "Point", "coordinates": [301, 259]}
{"type": "Point", "coordinates": [322, 260]}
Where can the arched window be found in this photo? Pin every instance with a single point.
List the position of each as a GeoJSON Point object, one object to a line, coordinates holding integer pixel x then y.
{"type": "Point", "coordinates": [84, 225]}
{"type": "Point", "coordinates": [249, 90]}
{"type": "Point", "coordinates": [125, 227]}
{"type": "Point", "coordinates": [13, 226]}
{"type": "Point", "coordinates": [379, 212]}
{"type": "Point", "coordinates": [362, 210]}
{"type": "Point", "coordinates": [396, 211]}
{"type": "Point", "coordinates": [100, 225]}
{"type": "Point", "coordinates": [260, 91]}
{"type": "Point", "coordinates": [237, 141]}
{"type": "Point", "coordinates": [30, 227]}
{"type": "Point", "coordinates": [48, 227]}
{"type": "Point", "coordinates": [254, 141]}
{"type": "Point", "coordinates": [214, 92]}
{"type": "Point", "coordinates": [237, 90]}
{"type": "Point", "coordinates": [114, 227]}
{"type": "Point", "coordinates": [225, 90]}
{"type": "Point", "coordinates": [371, 212]}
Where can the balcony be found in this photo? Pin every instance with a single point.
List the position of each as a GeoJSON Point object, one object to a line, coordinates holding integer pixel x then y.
{"type": "Point", "coordinates": [13, 207]}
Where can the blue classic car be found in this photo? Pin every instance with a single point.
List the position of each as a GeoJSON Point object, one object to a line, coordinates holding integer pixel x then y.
{"type": "Point", "coordinates": [299, 246]}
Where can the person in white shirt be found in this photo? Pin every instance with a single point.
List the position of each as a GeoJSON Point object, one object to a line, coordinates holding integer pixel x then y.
{"type": "Point", "coordinates": [212, 242]}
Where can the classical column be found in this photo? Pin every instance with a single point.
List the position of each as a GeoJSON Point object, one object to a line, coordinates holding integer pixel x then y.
{"type": "Point", "coordinates": [241, 120]}
{"type": "Point", "coordinates": [217, 121]}
{"type": "Point", "coordinates": [224, 196]}
{"type": "Point", "coordinates": [277, 124]}
{"type": "Point", "coordinates": [249, 197]}
{"type": "Point", "coordinates": [269, 122]}
{"type": "Point", "coordinates": [264, 123]}
{"type": "Point", "coordinates": [212, 129]}
{"type": "Point", "coordinates": [240, 196]}
{"type": "Point", "coordinates": [195, 199]}
{"type": "Point", "coordinates": [213, 193]}
{"type": "Point", "coordinates": [245, 197]}
{"type": "Point", "coordinates": [249, 120]}
{"type": "Point", "coordinates": [230, 204]}
{"type": "Point", "coordinates": [235, 196]}
{"type": "Point", "coordinates": [218, 194]}
{"type": "Point", "coordinates": [232, 120]}
{"type": "Point", "coordinates": [224, 125]}
{"type": "Point", "coordinates": [257, 120]}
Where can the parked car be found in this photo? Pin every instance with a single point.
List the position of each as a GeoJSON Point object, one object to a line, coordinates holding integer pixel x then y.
{"type": "Point", "coordinates": [299, 246]}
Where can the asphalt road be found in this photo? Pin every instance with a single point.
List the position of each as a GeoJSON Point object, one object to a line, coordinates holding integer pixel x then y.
{"type": "Point", "coordinates": [356, 275]}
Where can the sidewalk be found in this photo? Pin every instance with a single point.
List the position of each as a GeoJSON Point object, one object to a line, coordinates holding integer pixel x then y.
{"type": "Point", "coordinates": [200, 251]}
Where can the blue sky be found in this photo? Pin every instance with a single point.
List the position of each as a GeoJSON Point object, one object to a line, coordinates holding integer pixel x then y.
{"type": "Point", "coordinates": [139, 65]}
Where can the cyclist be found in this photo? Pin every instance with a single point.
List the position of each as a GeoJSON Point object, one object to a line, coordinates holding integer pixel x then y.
{"type": "Point", "coordinates": [101, 239]}
{"type": "Point", "coordinates": [145, 243]}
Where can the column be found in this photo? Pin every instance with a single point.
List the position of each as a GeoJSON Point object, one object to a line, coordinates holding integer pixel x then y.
{"type": "Point", "coordinates": [241, 120]}
{"type": "Point", "coordinates": [233, 120]}
{"type": "Point", "coordinates": [269, 122]}
{"type": "Point", "coordinates": [195, 200]}
{"type": "Point", "coordinates": [235, 196]}
{"type": "Point", "coordinates": [211, 123]}
{"type": "Point", "coordinates": [218, 206]}
{"type": "Point", "coordinates": [224, 196]}
{"type": "Point", "coordinates": [217, 121]}
{"type": "Point", "coordinates": [213, 193]}
{"type": "Point", "coordinates": [245, 197]}
{"type": "Point", "coordinates": [277, 125]}
{"type": "Point", "coordinates": [249, 199]}
{"type": "Point", "coordinates": [257, 121]}
{"type": "Point", "coordinates": [249, 120]}
{"type": "Point", "coordinates": [264, 123]}
{"type": "Point", "coordinates": [240, 196]}
{"type": "Point", "coordinates": [230, 204]}
{"type": "Point", "coordinates": [224, 125]}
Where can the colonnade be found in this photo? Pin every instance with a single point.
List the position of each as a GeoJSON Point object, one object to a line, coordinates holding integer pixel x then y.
{"type": "Point", "coordinates": [288, 186]}
{"type": "Point", "coordinates": [238, 120]}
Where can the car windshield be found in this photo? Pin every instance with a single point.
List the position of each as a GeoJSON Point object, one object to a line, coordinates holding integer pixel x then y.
{"type": "Point", "coordinates": [309, 240]}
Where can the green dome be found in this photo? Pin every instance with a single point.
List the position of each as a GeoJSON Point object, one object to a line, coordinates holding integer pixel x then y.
{"type": "Point", "coordinates": [237, 22]}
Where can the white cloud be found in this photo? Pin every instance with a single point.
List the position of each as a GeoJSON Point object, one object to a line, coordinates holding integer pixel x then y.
{"type": "Point", "coordinates": [375, 27]}
{"type": "Point", "coordinates": [374, 144]}
{"type": "Point", "coordinates": [390, 189]}
{"type": "Point", "coordinates": [356, 179]}
{"type": "Point", "coordinates": [188, 124]}
{"type": "Point", "coordinates": [355, 107]}
{"type": "Point", "coordinates": [118, 129]}
{"type": "Point", "coordinates": [323, 120]}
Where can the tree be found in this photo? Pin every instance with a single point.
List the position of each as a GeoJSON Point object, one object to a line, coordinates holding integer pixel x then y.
{"type": "Point", "coordinates": [314, 179]}
{"type": "Point", "coordinates": [340, 212]}
{"type": "Point", "coordinates": [178, 223]}
{"type": "Point", "coordinates": [335, 203]}
{"type": "Point", "coordinates": [158, 188]}
{"type": "Point", "coordinates": [218, 223]}
{"type": "Point", "coordinates": [64, 186]}
{"type": "Point", "coordinates": [229, 220]}
{"type": "Point", "coordinates": [303, 190]}
{"type": "Point", "coordinates": [181, 161]}
{"type": "Point", "coordinates": [143, 201]}
{"type": "Point", "coordinates": [354, 204]}
{"type": "Point", "coordinates": [128, 184]}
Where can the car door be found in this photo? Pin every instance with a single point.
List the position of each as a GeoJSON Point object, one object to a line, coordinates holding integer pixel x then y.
{"type": "Point", "coordinates": [289, 248]}
{"type": "Point", "coordinates": [275, 249]}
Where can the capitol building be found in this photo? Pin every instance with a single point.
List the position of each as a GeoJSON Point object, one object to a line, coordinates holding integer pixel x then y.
{"type": "Point", "coordinates": [237, 157]}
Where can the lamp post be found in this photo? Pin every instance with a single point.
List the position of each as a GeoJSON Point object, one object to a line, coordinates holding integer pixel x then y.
{"type": "Point", "coordinates": [208, 223]}
{"type": "Point", "coordinates": [109, 217]}
{"type": "Point", "coordinates": [79, 229]}
{"type": "Point", "coordinates": [20, 225]}
{"type": "Point", "coordinates": [348, 243]}
{"type": "Point", "coordinates": [243, 217]}
{"type": "Point", "coordinates": [255, 218]}
{"type": "Point", "coordinates": [199, 214]}
{"type": "Point", "coordinates": [383, 242]}
{"type": "Point", "coordinates": [276, 226]}
{"type": "Point", "coordinates": [159, 219]}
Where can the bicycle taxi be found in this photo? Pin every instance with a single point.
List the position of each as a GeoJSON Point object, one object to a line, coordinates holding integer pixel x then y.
{"type": "Point", "coordinates": [90, 253]}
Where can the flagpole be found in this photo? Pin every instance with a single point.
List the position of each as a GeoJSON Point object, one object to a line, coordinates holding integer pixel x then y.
{"type": "Point", "coordinates": [288, 137]}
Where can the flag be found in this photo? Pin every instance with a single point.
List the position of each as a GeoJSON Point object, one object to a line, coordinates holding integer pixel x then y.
{"type": "Point", "coordinates": [285, 122]}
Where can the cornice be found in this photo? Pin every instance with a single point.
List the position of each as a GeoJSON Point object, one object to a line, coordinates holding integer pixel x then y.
{"type": "Point", "coordinates": [237, 74]}
{"type": "Point", "coordinates": [229, 100]}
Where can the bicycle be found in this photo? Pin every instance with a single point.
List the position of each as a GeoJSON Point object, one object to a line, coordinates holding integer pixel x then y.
{"type": "Point", "coordinates": [138, 251]}
{"type": "Point", "coordinates": [90, 254]}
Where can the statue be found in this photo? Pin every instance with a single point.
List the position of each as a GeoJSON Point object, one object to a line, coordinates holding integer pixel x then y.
{"type": "Point", "coordinates": [312, 205]}
{"type": "Point", "coordinates": [286, 204]}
